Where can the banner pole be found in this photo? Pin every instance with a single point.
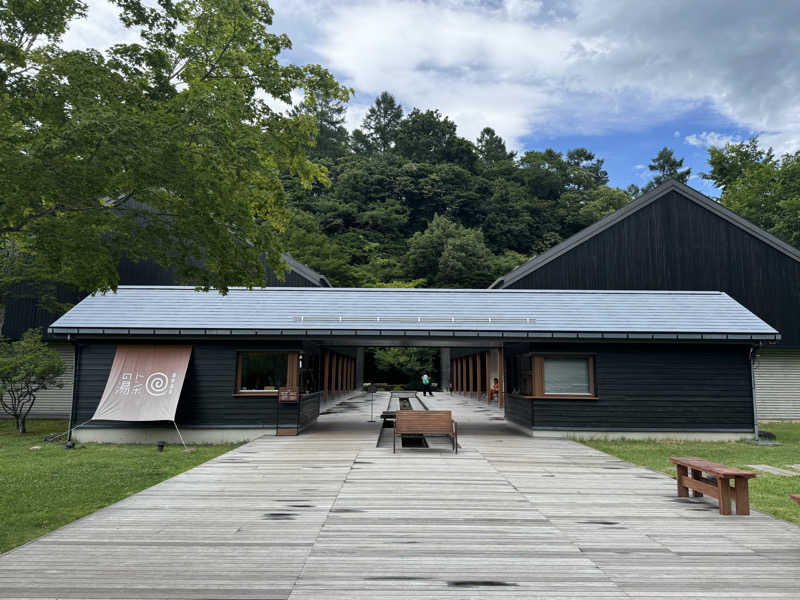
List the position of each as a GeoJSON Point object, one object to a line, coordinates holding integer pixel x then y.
{"type": "Point", "coordinates": [179, 435]}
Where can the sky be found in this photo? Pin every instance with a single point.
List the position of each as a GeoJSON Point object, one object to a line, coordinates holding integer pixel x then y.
{"type": "Point", "coordinates": [621, 78]}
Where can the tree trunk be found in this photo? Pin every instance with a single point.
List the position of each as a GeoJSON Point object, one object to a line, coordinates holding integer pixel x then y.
{"type": "Point", "coordinates": [21, 425]}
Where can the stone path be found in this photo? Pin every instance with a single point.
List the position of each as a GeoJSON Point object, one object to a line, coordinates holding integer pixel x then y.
{"type": "Point", "coordinates": [328, 515]}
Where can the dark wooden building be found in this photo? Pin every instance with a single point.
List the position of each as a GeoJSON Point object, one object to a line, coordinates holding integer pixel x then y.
{"type": "Point", "coordinates": [675, 238]}
{"type": "Point", "coordinates": [608, 363]}
{"type": "Point", "coordinates": [24, 312]}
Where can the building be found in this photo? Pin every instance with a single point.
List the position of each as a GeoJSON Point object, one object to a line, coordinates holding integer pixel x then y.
{"type": "Point", "coordinates": [24, 313]}
{"type": "Point", "coordinates": [675, 238]}
{"type": "Point", "coordinates": [590, 363]}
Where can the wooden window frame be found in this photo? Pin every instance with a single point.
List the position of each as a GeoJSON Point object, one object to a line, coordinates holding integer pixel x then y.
{"type": "Point", "coordinates": [537, 371]}
{"type": "Point", "coordinates": [292, 373]}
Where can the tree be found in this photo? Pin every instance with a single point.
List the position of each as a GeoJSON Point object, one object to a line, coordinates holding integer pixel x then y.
{"type": "Point", "coordinates": [492, 148]}
{"type": "Point", "coordinates": [767, 193]}
{"type": "Point", "coordinates": [405, 365]}
{"type": "Point", "coordinates": [466, 262]}
{"type": "Point", "coordinates": [427, 136]}
{"type": "Point", "coordinates": [668, 167]}
{"type": "Point", "coordinates": [331, 139]}
{"type": "Point", "coordinates": [165, 149]}
{"type": "Point", "coordinates": [729, 164]}
{"type": "Point", "coordinates": [425, 248]}
{"type": "Point", "coordinates": [382, 123]}
{"type": "Point", "coordinates": [26, 367]}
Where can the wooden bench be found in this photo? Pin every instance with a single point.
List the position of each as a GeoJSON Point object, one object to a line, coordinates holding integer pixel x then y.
{"type": "Point", "coordinates": [719, 487]}
{"type": "Point", "coordinates": [425, 422]}
{"type": "Point", "coordinates": [795, 497]}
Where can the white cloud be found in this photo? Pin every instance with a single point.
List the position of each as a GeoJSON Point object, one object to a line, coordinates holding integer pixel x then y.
{"type": "Point", "coordinates": [551, 66]}
{"type": "Point", "coordinates": [707, 139]}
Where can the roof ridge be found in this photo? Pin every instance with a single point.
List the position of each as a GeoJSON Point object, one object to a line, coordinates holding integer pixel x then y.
{"type": "Point", "coordinates": [418, 290]}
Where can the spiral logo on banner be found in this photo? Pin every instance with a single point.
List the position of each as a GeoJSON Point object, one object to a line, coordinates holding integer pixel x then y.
{"type": "Point", "coordinates": [157, 384]}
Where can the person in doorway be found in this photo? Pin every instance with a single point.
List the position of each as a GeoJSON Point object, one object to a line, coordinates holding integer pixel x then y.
{"type": "Point", "coordinates": [494, 393]}
{"type": "Point", "coordinates": [426, 385]}
{"type": "Point", "coordinates": [450, 387]}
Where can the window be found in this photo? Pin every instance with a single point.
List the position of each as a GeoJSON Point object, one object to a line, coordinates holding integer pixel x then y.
{"type": "Point", "coordinates": [566, 376]}
{"type": "Point", "coordinates": [261, 372]}
{"type": "Point", "coordinates": [563, 377]}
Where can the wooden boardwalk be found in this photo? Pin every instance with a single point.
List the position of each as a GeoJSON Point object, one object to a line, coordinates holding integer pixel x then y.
{"type": "Point", "coordinates": [328, 515]}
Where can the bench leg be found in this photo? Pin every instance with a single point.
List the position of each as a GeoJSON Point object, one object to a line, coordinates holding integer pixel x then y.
{"type": "Point", "coordinates": [697, 476]}
{"type": "Point", "coordinates": [742, 496]}
{"type": "Point", "coordinates": [724, 487]}
{"type": "Point", "coordinates": [683, 491]}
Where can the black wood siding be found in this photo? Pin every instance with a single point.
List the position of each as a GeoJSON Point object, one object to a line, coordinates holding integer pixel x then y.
{"type": "Point", "coordinates": [674, 244]}
{"type": "Point", "coordinates": [207, 398]}
{"type": "Point", "coordinates": [651, 387]}
{"type": "Point", "coordinates": [518, 410]}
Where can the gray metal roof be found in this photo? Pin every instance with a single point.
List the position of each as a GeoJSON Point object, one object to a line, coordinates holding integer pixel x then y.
{"type": "Point", "coordinates": [690, 193]}
{"type": "Point", "coordinates": [177, 310]}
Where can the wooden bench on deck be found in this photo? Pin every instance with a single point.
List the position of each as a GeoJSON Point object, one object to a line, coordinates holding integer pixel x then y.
{"type": "Point", "coordinates": [425, 422]}
{"type": "Point", "coordinates": [719, 489]}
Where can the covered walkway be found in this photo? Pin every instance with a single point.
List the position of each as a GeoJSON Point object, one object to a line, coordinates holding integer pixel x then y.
{"type": "Point", "coordinates": [328, 515]}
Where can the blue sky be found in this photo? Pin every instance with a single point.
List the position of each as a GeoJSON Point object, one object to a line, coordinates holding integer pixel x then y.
{"type": "Point", "coordinates": [622, 78]}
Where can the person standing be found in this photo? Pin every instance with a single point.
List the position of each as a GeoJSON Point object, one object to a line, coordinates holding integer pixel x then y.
{"type": "Point", "coordinates": [426, 385]}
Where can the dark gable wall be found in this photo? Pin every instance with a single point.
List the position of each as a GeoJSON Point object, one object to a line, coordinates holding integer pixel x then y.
{"type": "Point", "coordinates": [674, 244]}
{"type": "Point", "coordinates": [650, 387]}
{"type": "Point", "coordinates": [207, 396]}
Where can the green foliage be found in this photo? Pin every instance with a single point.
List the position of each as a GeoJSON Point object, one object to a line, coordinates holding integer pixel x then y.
{"type": "Point", "coordinates": [768, 194]}
{"type": "Point", "coordinates": [27, 366]}
{"type": "Point", "coordinates": [668, 167]}
{"type": "Point", "coordinates": [404, 365]}
{"type": "Point", "coordinates": [48, 488]}
{"type": "Point", "coordinates": [731, 163]}
{"type": "Point", "coordinates": [164, 149]}
{"type": "Point", "coordinates": [413, 201]}
{"type": "Point", "coordinates": [381, 124]}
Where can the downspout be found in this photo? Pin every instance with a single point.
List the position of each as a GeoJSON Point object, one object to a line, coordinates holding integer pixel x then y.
{"type": "Point", "coordinates": [75, 368]}
{"type": "Point", "coordinates": [753, 356]}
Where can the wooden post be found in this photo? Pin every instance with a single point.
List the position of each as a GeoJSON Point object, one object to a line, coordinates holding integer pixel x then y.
{"type": "Point", "coordinates": [470, 382]}
{"type": "Point", "coordinates": [741, 496]}
{"type": "Point", "coordinates": [339, 367]}
{"type": "Point", "coordinates": [697, 476]}
{"type": "Point", "coordinates": [683, 491]}
{"type": "Point", "coordinates": [724, 487]}
{"type": "Point", "coordinates": [501, 367]}
{"type": "Point", "coordinates": [335, 382]}
{"type": "Point", "coordinates": [488, 359]}
{"type": "Point", "coordinates": [326, 373]}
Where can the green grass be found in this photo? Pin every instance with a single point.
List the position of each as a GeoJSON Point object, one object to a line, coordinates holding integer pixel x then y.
{"type": "Point", "coordinates": [768, 493]}
{"type": "Point", "coordinates": [41, 490]}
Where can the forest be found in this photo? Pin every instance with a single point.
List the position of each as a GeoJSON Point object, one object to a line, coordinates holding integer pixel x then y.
{"type": "Point", "coordinates": [408, 202]}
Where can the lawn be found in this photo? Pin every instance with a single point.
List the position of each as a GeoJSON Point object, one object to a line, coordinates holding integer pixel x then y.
{"type": "Point", "coordinates": [50, 487]}
{"type": "Point", "coordinates": [768, 493]}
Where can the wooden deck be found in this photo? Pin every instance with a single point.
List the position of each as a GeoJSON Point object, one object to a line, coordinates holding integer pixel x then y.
{"type": "Point", "coordinates": [328, 515]}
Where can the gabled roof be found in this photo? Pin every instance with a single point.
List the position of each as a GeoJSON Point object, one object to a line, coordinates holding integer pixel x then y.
{"type": "Point", "coordinates": [629, 209]}
{"type": "Point", "coordinates": [305, 271]}
{"type": "Point", "coordinates": [570, 314]}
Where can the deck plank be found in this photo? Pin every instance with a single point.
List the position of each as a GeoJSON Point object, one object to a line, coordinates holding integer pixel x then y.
{"type": "Point", "coordinates": [328, 514]}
